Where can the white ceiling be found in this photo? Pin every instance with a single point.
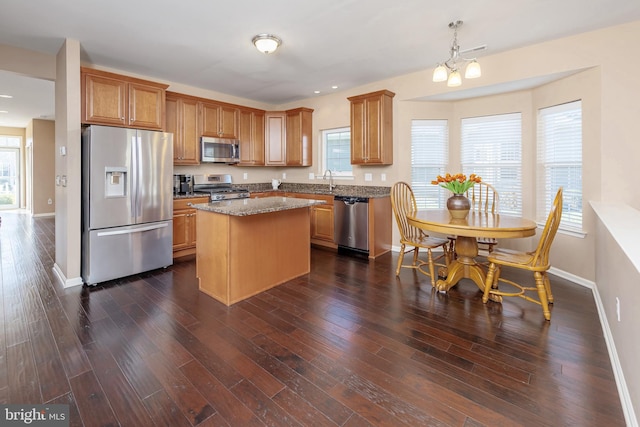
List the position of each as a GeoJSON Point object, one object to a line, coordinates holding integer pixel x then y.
{"type": "Point", "coordinates": [346, 43]}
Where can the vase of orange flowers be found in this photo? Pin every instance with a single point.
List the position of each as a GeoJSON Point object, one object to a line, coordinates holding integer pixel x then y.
{"type": "Point", "coordinates": [458, 204]}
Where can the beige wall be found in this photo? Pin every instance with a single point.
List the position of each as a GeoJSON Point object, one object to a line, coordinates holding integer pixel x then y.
{"type": "Point", "coordinates": [42, 135]}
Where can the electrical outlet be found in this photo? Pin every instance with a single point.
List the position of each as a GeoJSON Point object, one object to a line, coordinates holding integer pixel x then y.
{"type": "Point", "coordinates": [311, 175]}
{"type": "Point", "coordinates": [245, 175]}
{"type": "Point", "coordinates": [383, 177]}
{"type": "Point", "coordinates": [368, 177]}
{"type": "Point", "coordinates": [50, 201]}
{"type": "Point", "coordinates": [618, 308]}
{"type": "Point", "coordinates": [284, 175]}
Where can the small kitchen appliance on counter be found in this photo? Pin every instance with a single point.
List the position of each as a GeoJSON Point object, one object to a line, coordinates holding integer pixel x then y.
{"type": "Point", "coordinates": [219, 186]}
{"type": "Point", "coordinates": [182, 184]}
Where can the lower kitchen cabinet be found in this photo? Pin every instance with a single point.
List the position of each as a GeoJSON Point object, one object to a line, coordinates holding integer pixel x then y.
{"type": "Point", "coordinates": [184, 226]}
{"type": "Point", "coordinates": [321, 219]}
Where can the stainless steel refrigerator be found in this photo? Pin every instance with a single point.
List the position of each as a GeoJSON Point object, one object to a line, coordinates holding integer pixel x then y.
{"type": "Point", "coordinates": [127, 202]}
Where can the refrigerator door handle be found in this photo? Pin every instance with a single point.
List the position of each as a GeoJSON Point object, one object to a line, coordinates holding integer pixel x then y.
{"type": "Point", "coordinates": [136, 142]}
{"type": "Point", "coordinates": [133, 230]}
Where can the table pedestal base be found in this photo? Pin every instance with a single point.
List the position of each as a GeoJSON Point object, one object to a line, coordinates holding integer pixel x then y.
{"type": "Point", "coordinates": [465, 267]}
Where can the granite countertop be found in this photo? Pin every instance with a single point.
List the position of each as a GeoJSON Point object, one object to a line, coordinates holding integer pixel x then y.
{"type": "Point", "coordinates": [244, 207]}
{"type": "Point", "coordinates": [339, 190]}
{"type": "Point", "coordinates": [191, 195]}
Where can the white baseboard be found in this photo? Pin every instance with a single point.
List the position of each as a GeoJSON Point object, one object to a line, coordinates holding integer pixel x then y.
{"type": "Point", "coordinates": [66, 283]}
{"type": "Point", "coordinates": [43, 215]}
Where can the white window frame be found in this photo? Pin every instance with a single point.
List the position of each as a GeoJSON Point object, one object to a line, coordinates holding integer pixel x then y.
{"type": "Point", "coordinates": [324, 166]}
{"type": "Point", "coordinates": [429, 158]}
{"type": "Point", "coordinates": [491, 147]}
{"type": "Point", "coordinates": [559, 150]}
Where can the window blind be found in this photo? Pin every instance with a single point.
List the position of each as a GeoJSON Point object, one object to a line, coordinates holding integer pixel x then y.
{"type": "Point", "coordinates": [337, 151]}
{"type": "Point", "coordinates": [559, 146]}
{"type": "Point", "coordinates": [491, 147]}
{"type": "Point", "coordinates": [429, 157]}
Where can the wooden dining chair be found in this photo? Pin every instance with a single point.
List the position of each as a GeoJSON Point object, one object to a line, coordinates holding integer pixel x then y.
{"type": "Point", "coordinates": [536, 261]}
{"type": "Point", "coordinates": [403, 202]}
{"type": "Point", "coordinates": [483, 197]}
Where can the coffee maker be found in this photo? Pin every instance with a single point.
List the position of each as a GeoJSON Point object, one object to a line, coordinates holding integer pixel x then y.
{"type": "Point", "coordinates": [182, 184]}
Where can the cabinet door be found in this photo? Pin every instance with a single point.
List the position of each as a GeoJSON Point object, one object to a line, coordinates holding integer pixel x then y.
{"type": "Point", "coordinates": [228, 117]}
{"type": "Point", "coordinates": [146, 106]}
{"type": "Point", "coordinates": [210, 119]}
{"type": "Point", "coordinates": [181, 239]}
{"type": "Point", "coordinates": [219, 121]}
{"type": "Point", "coordinates": [274, 139]}
{"type": "Point", "coordinates": [188, 110]}
{"type": "Point", "coordinates": [171, 125]}
{"type": "Point", "coordinates": [251, 134]}
{"type": "Point", "coordinates": [322, 222]}
{"type": "Point", "coordinates": [358, 121]}
{"type": "Point", "coordinates": [372, 141]}
{"type": "Point", "coordinates": [105, 100]}
{"type": "Point", "coordinates": [298, 138]}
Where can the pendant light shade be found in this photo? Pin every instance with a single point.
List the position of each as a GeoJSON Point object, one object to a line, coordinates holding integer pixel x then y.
{"type": "Point", "coordinates": [455, 79]}
{"type": "Point", "coordinates": [440, 73]}
{"type": "Point", "coordinates": [473, 70]}
{"type": "Point", "coordinates": [266, 43]}
{"type": "Point", "coordinates": [448, 70]}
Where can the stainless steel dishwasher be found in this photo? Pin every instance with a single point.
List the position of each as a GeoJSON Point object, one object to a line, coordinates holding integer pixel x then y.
{"type": "Point", "coordinates": [351, 222]}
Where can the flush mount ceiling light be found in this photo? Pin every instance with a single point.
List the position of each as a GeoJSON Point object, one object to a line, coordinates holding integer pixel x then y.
{"type": "Point", "coordinates": [449, 70]}
{"type": "Point", "coordinates": [266, 43]}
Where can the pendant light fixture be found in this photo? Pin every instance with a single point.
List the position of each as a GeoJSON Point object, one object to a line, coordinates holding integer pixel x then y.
{"type": "Point", "coordinates": [266, 43]}
{"type": "Point", "coordinates": [449, 70]}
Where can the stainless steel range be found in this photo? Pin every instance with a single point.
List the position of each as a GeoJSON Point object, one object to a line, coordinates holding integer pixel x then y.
{"type": "Point", "coordinates": [219, 186]}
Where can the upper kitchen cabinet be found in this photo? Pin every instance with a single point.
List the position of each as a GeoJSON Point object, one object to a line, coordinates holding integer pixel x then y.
{"type": "Point", "coordinates": [219, 120]}
{"type": "Point", "coordinates": [288, 137]}
{"type": "Point", "coordinates": [251, 133]}
{"type": "Point", "coordinates": [372, 128]}
{"type": "Point", "coordinates": [274, 138]}
{"type": "Point", "coordinates": [298, 137]}
{"type": "Point", "coordinates": [116, 100]}
{"type": "Point", "coordinates": [182, 121]}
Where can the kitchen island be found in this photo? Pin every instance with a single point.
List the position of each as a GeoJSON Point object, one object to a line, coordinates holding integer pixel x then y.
{"type": "Point", "coordinates": [247, 246]}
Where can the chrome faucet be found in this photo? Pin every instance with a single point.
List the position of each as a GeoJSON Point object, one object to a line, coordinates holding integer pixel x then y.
{"type": "Point", "coordinates": [331, 184]}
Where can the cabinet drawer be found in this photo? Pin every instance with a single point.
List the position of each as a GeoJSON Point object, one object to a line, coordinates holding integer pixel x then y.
{"type": "Point", "coordinates": [184, 203]}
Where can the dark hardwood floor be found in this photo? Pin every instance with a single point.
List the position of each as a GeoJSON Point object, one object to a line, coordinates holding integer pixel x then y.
{"type": "Point", "coordinates": [349, 344]}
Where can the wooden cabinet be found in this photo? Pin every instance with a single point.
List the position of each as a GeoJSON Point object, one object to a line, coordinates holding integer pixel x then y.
{"type": "Point", "coordinates": [298, 137]}
{"type": "Point", "coordinates": [182, 121]}
{"type": "Point", "coordinates": [184, 226]}
{"type": "Point", "coordinates": [372, 128]}
{"type": "Point", "coordinates": [251, 134]}
{"type": "Point", "coordinates": [288, 137]}
{"type": "Point", "coordinates": [219, 120]}
{"type": "Point", "coordinates": [274, 138]}
{"type": "Point", "coordinates": [115, 100]}
{"type": "Point", "coordinates": [322, 224]}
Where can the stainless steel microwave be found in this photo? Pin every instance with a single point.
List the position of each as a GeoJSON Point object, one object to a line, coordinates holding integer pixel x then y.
{"type": "Point", "coordinates": [220, 150]}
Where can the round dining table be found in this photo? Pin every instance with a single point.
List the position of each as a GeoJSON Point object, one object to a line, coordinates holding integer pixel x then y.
{"type": "Point", "coordinates": [476, 224]}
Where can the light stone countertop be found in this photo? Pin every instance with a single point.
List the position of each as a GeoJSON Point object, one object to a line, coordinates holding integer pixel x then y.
{"type": "Point", "coordinates": [244, 207]}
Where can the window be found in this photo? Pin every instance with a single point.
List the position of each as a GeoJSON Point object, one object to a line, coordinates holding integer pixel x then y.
{"type": "Point", "coordinates": [560, 162]}
{"type": "Point", "coordinates": [336, 151]}
{"type": "Point", "coordinates": [492, 149]}
{"type": "Point", "coordinates": [429, 157]}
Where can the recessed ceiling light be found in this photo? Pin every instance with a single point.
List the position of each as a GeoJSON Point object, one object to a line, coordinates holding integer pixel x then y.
{"type": "Point", "coordinates": [6, 96]}
{"type": "Point", "coordinates": [316, 91]}
{"type": "Point", "coordinates": [334, 87]}
{"type": "Point", "coordinates": [3, 111]}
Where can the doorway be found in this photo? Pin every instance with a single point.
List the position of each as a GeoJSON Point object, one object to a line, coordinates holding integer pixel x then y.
{"type": "Point", "coordinates": [10, 172]}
